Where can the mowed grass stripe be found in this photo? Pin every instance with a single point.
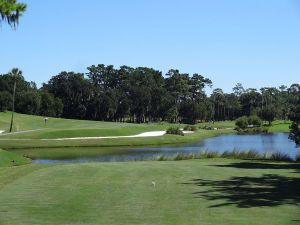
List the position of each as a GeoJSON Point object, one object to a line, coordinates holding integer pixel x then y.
{"type": "Point", "coordinates": [122, 193]}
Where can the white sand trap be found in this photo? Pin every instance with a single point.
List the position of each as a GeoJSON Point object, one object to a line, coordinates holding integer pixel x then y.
{"type": "Point", "coordinates": [188, 132]}
{"type": "Point", "coordinates": [145, 134]}
{"type": "Point", "coordinates": [151, 134]}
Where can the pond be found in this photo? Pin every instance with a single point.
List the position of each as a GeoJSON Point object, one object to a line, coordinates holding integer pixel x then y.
{"type": "Point", "coordinates": [262, 143]}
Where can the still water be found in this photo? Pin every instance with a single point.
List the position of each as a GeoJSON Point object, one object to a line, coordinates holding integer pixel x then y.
{"type": "Point", "coordinates": [262, 143]}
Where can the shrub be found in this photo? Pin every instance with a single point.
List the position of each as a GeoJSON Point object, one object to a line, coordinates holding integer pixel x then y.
{"type": "Point", "coordinates": [190, 128]}
{"type": "Point", "coordinates": [207, 128]}
{"type": "Point", "coordinates": [179, 156]}
{"type": "Point", "coordinates": [242, 122]}
{"type": "Point", "coordinates": [259, 130]}
{"type": "Point", "coordinates": [234, 154]}
{"type": "Point", "coordinates": [254, 120]}
{"type": "Point", "coordinates": [161, 158]}
{"type": "Point", "coordinates": [250, 124]}
{"type": "Point", "coordinates": [175, 131]}
{"type": "Point", "coordinates": [278, 156]}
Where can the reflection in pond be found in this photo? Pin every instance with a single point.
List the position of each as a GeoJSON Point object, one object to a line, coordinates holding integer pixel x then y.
{"type": "Point", "coordinates": [261, 143]}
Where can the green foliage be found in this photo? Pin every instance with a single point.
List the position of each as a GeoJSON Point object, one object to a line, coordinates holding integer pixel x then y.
{"type": "Point", "coordinates": [253, 130]}
{"type": "Point", "coordinates": [242, 122]}
{"type": "Point", "coordinates": [234, 154]}
{"type": "Point", "coordinates": [250, 124]}
{"type": "Point", "coordinates": [294, 115]}
{"type": "Point", "coordinates": [268, 114]}
{"type": "Point", "coordinates": [190, 128]}
{"type": "Point", "coordinates": [295, 133]}
{"type": "Point", "coordinates": [172, 115]}
{"type": "Point", "coordinates": [5, 99]}
{"type": "Point", "coordinates": [11, 11]}
{"type": "Point", "coordinates": [175, 131]}
{"type": "Point", "coordinates": [282, 157]}
{"type": "Point", "coordinates": [254, 120]}
{"type": "Point", "coordinates": [50, 106]}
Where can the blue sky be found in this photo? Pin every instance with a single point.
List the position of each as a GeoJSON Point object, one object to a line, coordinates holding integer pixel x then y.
{"type": "Point", "coordinates": [254, 42]}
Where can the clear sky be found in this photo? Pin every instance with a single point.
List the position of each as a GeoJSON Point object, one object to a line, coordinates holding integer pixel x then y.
{"type": "Point", "coordinates": [254, 42]}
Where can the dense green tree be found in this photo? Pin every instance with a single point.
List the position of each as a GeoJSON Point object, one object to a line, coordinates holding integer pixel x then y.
{"type": "Point", "coordinates": [73, 90]}
{"type": "Point", "coordinates": [28, 102]}
{"type": "Point", "coordinates": [268, 114]}
{"type": "Point", "coordinates": [238, 89]}
{"type": "Point", "coordinates": [49, 105]}
{"type": "Point", "coordinates": [242, 122]}
{"type": "Point", "coordinates": [250, 102]}
{"type": "Point", "coordinates": [5, 99]}
{"type": "Point", "coordinates": [218, 100]}
{"type": "Point", "coordinates": [294, 116]}
{"type": "Point", "coordinates": [294, 113]}
{"type": "Point", "coordinates": [11, 11]}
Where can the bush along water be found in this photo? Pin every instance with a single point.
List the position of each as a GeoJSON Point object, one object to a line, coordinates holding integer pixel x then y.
{"type": "Point", "coordinates": [175, 131]}
{"type": "Point", "coordinates": [190, 128]}
{"type": "Point", "coordinates": [250, 125]}
{"type": "Point", "coordinates": [235, 154]}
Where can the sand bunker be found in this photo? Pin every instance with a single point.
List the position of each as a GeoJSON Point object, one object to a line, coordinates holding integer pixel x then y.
{"type": "Point", "coordinates": [145, 134]}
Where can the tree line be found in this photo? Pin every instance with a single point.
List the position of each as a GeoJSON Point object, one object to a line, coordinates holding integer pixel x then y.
{"type": "Point", "coordinates": [143, 95]}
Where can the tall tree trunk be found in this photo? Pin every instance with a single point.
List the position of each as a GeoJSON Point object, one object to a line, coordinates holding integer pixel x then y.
{"type": "Point", "coordinates": [13, 107]}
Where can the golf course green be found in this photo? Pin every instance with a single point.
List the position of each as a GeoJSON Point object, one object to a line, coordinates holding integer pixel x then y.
{"type": "Point", "coordinates": [208, 191]}
{"type": "Point", "coordinates": [203, 191]}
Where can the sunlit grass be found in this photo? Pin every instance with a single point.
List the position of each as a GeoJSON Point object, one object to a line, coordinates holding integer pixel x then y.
{"type": "Point", "coordinates": [242, 193]}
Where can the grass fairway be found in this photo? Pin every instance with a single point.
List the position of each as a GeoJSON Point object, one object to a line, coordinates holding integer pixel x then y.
{"type": "Point", "coordinates": [12, 159]}
{"type": "Point", "coordinates": [210, 191]}
{"type": "Point", "coordinates": [31, 129]}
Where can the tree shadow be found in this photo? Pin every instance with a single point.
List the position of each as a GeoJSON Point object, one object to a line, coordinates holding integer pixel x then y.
{"type": "Point", "coordinates": [267, 165]}
{"type": "Point", "coordinates": [246, 192]}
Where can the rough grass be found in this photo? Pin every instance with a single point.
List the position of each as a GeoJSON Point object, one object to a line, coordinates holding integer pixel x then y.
{"type": "Point", "coordinates": [235, 154]}
{"type": "Point", "coordinates": [12, 159]}
{"type": "Point", "coordinates": [209, 191]}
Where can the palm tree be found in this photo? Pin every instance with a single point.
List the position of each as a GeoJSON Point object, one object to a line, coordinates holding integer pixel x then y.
{"type": "Point", "coordinates": [15, 73]}
{"type": "Point", "coordinates": [11, 11]}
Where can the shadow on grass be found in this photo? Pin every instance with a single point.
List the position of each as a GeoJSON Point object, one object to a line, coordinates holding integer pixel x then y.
{"type": "Point", "coordinates": [246, 192]}
{"type": "Point", "coordinates": [259, 165]}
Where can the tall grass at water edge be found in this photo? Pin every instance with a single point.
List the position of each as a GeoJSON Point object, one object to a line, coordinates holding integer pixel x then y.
{"type": "Point", "coordinates": [234, 154]}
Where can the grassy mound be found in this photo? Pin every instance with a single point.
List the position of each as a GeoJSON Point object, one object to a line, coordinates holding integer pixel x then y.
{"type": "Point", "coordinates": [12, 159]}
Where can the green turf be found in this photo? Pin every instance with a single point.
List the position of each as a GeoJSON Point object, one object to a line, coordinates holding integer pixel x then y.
{"type": "Point", "coordinates": [71, 153]}
{"type": "Point", "coordinates": [34, 128]}
{"type": "Point", "coordinates": [219, 124]}
{"type": "Point", "coordinates": [142, 141]}
{"type": "Point", "coordinates": [12, 159]}
{"type": "Point", "coordinates": [280, 126]}
{"type": "Point", "coordinates": [210, 191]}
